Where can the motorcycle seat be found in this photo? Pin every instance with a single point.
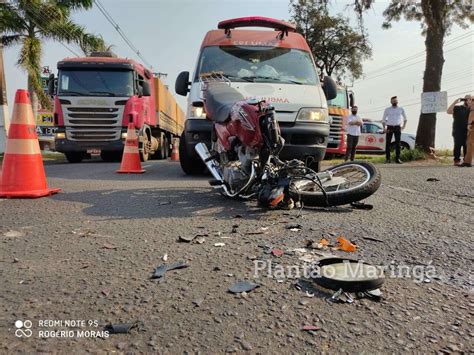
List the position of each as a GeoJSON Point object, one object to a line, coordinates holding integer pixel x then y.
{"type": "Point", "coordinates": [220, 98]}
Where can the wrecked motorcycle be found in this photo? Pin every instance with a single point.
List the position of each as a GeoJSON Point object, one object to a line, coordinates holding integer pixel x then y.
{"type": "Point", "coordinates": [244, 162]}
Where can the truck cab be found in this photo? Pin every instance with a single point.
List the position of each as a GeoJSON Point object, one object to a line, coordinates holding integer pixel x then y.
{"type": "Point", "coordinates": [276, 66]}
{"type": "Point", "coordinates": [94, 100]}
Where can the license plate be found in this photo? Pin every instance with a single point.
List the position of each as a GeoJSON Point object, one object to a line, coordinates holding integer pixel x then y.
{"type": "Point", "coordinates": [93, 151]}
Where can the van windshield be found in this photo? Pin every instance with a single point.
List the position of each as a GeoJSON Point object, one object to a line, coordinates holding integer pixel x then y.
{"type": "Point", "coordinates": [258, 64]}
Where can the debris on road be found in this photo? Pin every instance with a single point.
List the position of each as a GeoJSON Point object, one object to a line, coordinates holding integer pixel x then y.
{"type": "Point", "coordinates": [373, 239]}
{"type": "Point", "coordinates": [294, 227]}
{"type": "Point", "coordinates": [243, 286]}
{"type": "Point", "coordinates": [189, 238]}
{"type": "Point", "coordinates": [277, 252]}
{"type": "Point", "coordinates": [165, 257]}
{"type": "Point", "coordinates": [254, 233]}
{"type": "Point", "coordinates": [109, 246]}
{"type": "Point", "coordinates": [219, 244]}
{"type": "Point", "coordinates": [433, 179]}
{"type": "Point", "coordinates": [346, 245]}
{"type": "Point", "coordinates": [13, 234]}
{"type": "Point", "coordinates": [310, 328]}
{"type": "Point", "coordinates": [375, 295]}
{"type": "Point", "coordinates": [361, 206]}
{"type": "Point", "coordinates": [198, 301]}
{"type": "Point", "coordinates": [121, 328]}
{"type": "Point", "coordinates": [162, 269]}
{"type": "Point", "coordinates": [200, 239]}
{"type": "Point", "coordinates": [324, 242]}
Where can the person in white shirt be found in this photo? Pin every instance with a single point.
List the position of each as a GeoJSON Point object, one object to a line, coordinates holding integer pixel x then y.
{"type": "Point", "coordinates": [394, 121]}
{"type": "Point", "coordinates": [353, 124]}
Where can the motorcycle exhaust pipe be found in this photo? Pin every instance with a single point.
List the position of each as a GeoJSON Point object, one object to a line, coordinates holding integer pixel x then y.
{"type": "Point", "coordinates": [211, 164]}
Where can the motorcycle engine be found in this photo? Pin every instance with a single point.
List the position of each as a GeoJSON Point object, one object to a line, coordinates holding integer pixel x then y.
{"type": "Point", "coordinates": [236, 173]}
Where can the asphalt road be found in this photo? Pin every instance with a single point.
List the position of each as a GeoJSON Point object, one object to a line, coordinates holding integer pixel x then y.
{"type": "Point", "coordinates": [88, 254]}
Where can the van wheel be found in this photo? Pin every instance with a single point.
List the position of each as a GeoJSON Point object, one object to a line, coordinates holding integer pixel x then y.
{"type": "Point", "coordinates": [74, 157]}
{"type": "Point", "coordinates": [189, 166]}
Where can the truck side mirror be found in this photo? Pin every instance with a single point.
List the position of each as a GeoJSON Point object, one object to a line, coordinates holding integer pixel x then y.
{"type": "Point", "coordinates": [329, 88]}
{"type": "Point", "coordinates": [182, 83]}
{"type": "Point", "coordinates": [51, 85]}
{"type": "Point", "coordinates": [146, 91]}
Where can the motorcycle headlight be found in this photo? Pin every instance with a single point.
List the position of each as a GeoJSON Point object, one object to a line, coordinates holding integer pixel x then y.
{"type": "Point", "coordinates": [198, 112]}
{"type": "Point", "coordinates": [313, 115]}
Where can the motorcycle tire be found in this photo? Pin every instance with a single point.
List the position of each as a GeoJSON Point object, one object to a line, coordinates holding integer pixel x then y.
{"type": "Point", "coordinates": [341, 197]}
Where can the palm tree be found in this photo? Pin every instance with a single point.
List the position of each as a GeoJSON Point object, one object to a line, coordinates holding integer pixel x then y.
{"type": "Point", "coordinates": [92, 43]}
{"type": "Point", "coordinates": [29, 23]}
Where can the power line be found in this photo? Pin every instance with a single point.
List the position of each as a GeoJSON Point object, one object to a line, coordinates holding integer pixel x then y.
{"type": "Point", "coordinates": [120, 32]}
{"type": "Point", "coordinates": [419, 54]}
{"type": "Point", "coordinates": [408, 65]}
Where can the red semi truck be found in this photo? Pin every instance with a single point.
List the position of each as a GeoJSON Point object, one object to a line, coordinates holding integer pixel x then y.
{"type": "Point", "coordinates": [96, 97]}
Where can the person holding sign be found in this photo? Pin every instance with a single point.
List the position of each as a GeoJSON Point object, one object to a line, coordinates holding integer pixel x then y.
{"type": "Point", "coordinates": [460, 117]}
{"type": "Point", "coordinates": [394, 121]}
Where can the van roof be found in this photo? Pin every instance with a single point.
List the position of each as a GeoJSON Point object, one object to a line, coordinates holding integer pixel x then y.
{"type": "Point", "coordinates": [263, 38]}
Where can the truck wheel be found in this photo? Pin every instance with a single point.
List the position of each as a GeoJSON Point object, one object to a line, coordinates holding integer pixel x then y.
{"type": "Point", "coordinates": [189, 166]}
{"type": "Point", "coordinates": [145, 152]}
{"type": "Point", "coordinates": [161, 153]}
{"type": "Point", "coordinates": [74, 157]}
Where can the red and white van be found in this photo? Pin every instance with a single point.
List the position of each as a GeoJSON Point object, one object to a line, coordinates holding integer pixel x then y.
{"type": "Point", "coordinates": [274, 64]}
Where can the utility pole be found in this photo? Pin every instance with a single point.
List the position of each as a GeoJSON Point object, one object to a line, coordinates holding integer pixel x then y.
{"type": "Point", "coordinates": [4, 117]}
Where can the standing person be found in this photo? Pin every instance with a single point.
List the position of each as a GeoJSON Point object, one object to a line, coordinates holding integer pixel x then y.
{"type": "Point", "coordinates": [470, 136]}
{"type": "Point", "coordinates": [354, 122]}
{"type": "Point", "coordinates": [460, 117]}
{"type": "Point", "coordinates": [394, 121]}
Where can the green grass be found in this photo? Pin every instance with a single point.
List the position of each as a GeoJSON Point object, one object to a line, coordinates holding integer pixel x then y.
{"type": "Point", "coordinates": [406, 155]}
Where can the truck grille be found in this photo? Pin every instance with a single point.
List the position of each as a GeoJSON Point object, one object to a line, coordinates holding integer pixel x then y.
{"type": "Point", "coordinates": [335, 132]}
{"type": "Point", "coordinates": [92, 123]}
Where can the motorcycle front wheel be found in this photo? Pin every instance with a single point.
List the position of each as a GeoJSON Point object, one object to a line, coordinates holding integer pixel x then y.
{"type": "Point", "coordinates": [351, 182]}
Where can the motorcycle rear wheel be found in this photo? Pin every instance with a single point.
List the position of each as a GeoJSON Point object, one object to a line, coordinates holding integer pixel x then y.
{"type": "Point", "coordinates": [363, 179]}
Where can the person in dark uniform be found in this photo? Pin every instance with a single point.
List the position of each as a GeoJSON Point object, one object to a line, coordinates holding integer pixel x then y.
{"type": "Point", "coordinates": [460, 117]}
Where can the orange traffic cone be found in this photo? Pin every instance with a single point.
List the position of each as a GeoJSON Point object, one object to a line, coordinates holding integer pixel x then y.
{"type": "Point", "coordinates": [175, 150]}
{"type": "Point", "coordinates": [131, 158]}
{"type": "Point", "coordinates": [23, 171]}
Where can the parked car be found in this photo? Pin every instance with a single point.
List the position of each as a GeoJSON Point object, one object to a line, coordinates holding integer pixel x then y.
{"type": "Point", "coordinates": [372, 138]}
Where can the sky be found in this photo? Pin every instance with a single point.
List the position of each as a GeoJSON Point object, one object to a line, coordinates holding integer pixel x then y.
{"type": "Point", "coordinates": [168, 34]}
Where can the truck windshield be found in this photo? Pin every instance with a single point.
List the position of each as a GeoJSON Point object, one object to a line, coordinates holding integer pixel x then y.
{"type": "Point", "coordinates": [258, 64]}
{"type": "Point", "coordinates": [89, 82]}
{"type": "Point", "coordinates": [340, 100]}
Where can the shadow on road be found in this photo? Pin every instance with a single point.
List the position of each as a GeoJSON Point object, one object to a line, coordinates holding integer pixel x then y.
{"type": "Point", "coordinates": [161, 203]}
